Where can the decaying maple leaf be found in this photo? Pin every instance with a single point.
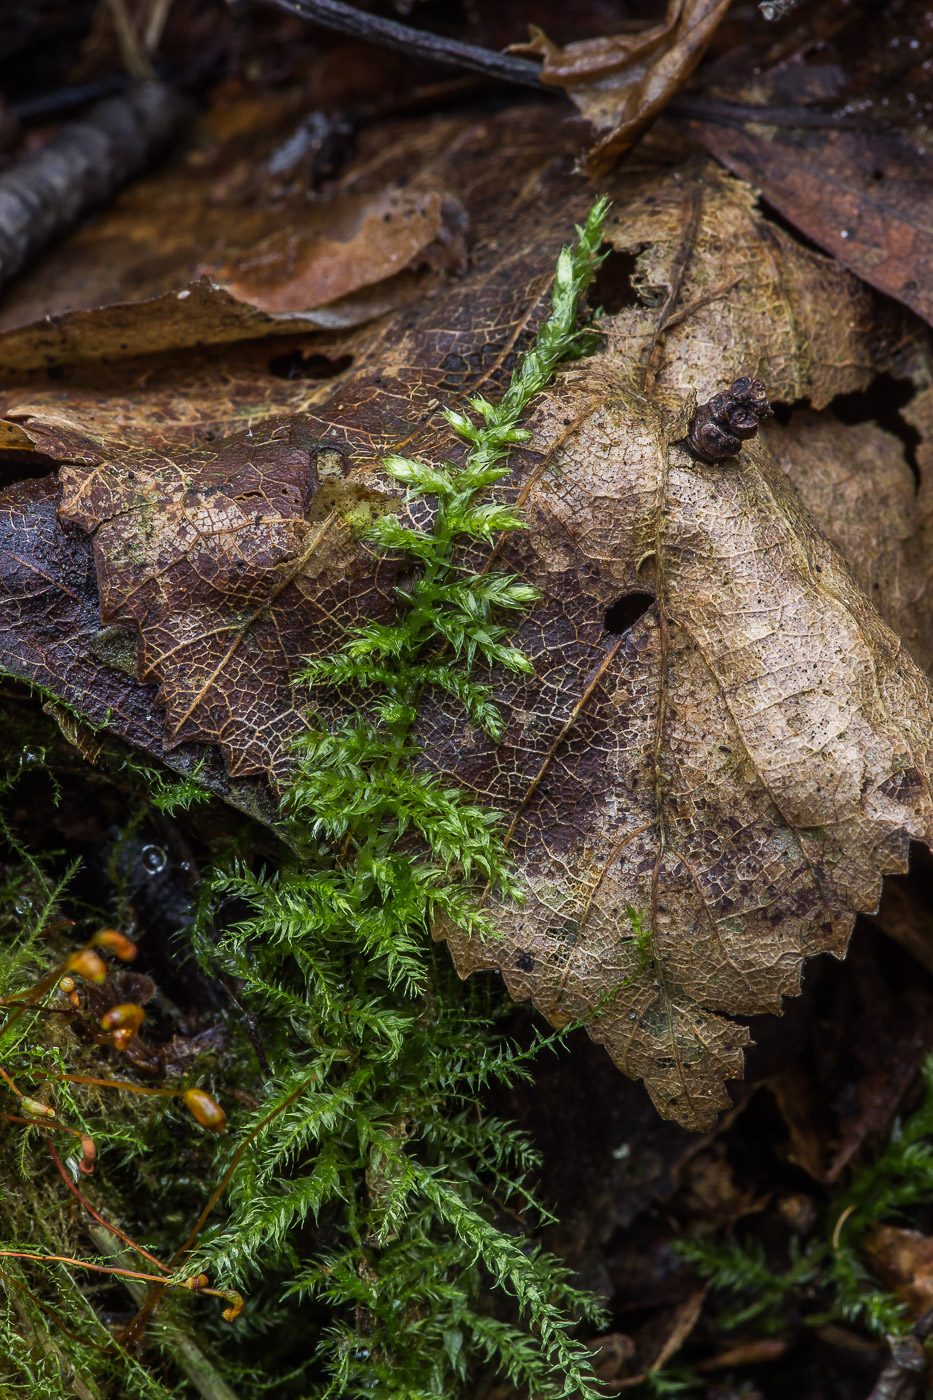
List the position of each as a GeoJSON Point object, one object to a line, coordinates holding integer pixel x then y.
{"type": "Point", "coordinates": [724, 746]}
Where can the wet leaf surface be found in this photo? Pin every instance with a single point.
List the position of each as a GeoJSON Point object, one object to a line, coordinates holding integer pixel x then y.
{"type": "Point", "coordinates": [724, 744]}
{"type": "Point", "coordinates": [243, 248]}
{"type": "Point", "coordinates": [851, 170]}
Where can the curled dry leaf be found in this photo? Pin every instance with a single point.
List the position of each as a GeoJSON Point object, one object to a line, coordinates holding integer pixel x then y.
{"type": "Point", "coordinates": [724, 746]}
{"type": "Point", "coordinates": [236, 257]}
{"type": "Point", "coordinates": [621, 82]}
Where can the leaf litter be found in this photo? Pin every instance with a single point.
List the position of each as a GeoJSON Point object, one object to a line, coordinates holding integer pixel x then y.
{"type": "Point", "coordinates": [242, 252]}
{"type": "Point", "coordinates": [698, 799]}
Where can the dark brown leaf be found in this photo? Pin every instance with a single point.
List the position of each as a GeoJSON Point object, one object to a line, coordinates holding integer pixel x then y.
{"type": "Point", "coordinates": [853, 173]}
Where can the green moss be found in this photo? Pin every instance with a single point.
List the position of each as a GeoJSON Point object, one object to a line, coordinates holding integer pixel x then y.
{"type": "Point", "coordinates": [383, 1226]}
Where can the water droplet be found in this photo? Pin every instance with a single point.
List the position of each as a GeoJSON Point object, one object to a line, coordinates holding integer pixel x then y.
{"type": "Point", "coordinates": [154, 860]}
{"type": "Point", "coordinates": [30, 758]}
{"type": "Point", "coordinates": [22, 904]}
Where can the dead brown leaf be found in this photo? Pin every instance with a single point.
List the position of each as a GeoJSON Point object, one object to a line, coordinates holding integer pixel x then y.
{"type": "Point", "coordinates": [863, 197]}
{"type": "Point", "coordinates": [731, 767]}
{"type": "Point", "coordinates": [903, 1260]}
{"type": "Point", "coordinates": [852, 174]}
{"type": "Point", "coordinates": [865, 497]}
{"type": "Point", "coordinates": [225, 561]}
{"type": "Point", "coordinates": [622, 82]}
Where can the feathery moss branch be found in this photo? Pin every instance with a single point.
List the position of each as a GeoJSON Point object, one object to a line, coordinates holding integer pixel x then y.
{"type": "Point", "coordinates": [385, 1056]}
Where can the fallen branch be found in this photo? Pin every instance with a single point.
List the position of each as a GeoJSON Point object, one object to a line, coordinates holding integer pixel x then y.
{"type": "Point", "coordinates": [84, 163]}
{"type": "Point", "coordinates": [392, 35]}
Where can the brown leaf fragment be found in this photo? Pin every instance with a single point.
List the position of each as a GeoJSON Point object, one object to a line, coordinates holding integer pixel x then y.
{"type": "Point", "coordinates": [903, 1260]}
{"type": "Point", "coordinates": [841, 145]}
{"type": "Point", "coordinates": [364, 241]}
{"type": "Point", "coordinates": [622, 82]}
{"type": "Point", "coordinates": [862, 196]}
{"type": "Point", "coordinates": [225, 560]}
{"type": "Point", "coordinates": [199, 313]}
{"type": "Point", "coordinates": [209, 249]}
{"type": "Point", "coordinates": [52, 637]}
{"type": "Point", "coordinates": [857, 483]}
{"type": "Point", "coordinates": [740, 296]}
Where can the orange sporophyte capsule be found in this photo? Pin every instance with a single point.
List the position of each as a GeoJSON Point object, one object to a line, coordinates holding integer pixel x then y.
{"type": "Point", "coordinates": [118, 943]}
{"type": "Point", "coordinates": [206, 1110]}
{"type": "Point", "coordinates": [89, 1152]}
{"type": "Point", "coordinates": [87, 964]}
{"type": "Point", "coordinates": [67, 985]}
{"type": "Point", "coordinates": [125, 1017]}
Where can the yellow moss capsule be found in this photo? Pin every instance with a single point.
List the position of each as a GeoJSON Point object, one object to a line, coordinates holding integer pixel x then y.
{"type": "Point", "coordinates": [41, 1110]}
{"type": "Point", "coordinates": [236, 1306]}
{"type": "Point", "coordinates": [87, 964]}
{"type": "Point", "coordinates": [125, 1017]}
{"type": "Point", "coordinates": [118, 943]}
{"type": "Point", "coordinates": [206, 1110]}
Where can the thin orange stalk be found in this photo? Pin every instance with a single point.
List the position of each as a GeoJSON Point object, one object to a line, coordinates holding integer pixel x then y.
{"type": "Point", "coordinates": [114, 1230]}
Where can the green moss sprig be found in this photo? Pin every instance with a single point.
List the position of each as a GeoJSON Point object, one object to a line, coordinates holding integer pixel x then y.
{"type": "Point", "coordinates": [378, 1055]}
{"type": "Point", "coordinates": [828, 1278]}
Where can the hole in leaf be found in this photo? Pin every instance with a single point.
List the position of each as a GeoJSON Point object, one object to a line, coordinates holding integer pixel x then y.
{"type": "Point", "coordinates": [881, 402]}
{"type": "Point", "coordinates": [621, 616]}
{"type": "Point", "coordinates": [24, 466]}
{"type": "Point", "coordinates": [295, 364]}
{"type": "Point", "coordinates": [612, 287]}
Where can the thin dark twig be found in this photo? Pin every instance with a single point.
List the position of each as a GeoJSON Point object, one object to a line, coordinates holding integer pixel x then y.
{"type": "Point", "coordinates": [332, 14]}
{"type": "Point", "coordinates": [70, 98]}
